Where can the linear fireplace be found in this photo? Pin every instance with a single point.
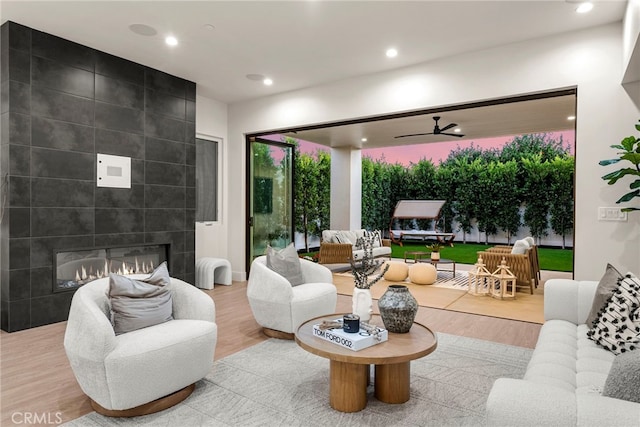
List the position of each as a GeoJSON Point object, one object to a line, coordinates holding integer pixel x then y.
{"type": "Point", "coordinates": [74, 268]}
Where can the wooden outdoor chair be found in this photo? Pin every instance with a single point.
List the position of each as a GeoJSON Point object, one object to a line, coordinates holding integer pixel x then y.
{"type": "Point", "coordinates": [519, 264]}
{"type": "Point", "coordinates": [532, 253]}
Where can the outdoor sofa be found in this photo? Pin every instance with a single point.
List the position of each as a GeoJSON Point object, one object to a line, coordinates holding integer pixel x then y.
{"type": "Point", "coordinates": [341, 246]}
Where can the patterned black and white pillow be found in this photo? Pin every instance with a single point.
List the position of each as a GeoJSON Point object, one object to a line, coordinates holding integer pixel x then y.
{"type": "Point", "coordinates": [375, 236]}
{"type": "Point", "coordinates": [617, 327]}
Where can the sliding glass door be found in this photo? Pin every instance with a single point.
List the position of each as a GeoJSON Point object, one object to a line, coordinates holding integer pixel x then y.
{"type": "Point", "coordinates": [270, 201]}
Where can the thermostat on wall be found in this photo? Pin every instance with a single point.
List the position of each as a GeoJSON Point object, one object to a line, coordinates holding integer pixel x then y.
{"type": "Point", "coordinates": [114, 171]}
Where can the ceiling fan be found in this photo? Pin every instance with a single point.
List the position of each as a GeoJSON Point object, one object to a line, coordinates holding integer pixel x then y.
{"type": "Point", "coordinates": [436, 130]}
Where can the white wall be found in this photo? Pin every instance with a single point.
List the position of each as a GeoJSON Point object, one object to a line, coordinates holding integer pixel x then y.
{"type": "Point", "coordinates": [590, 60]}
{"type": "Point", "coordinates": [212, 237]}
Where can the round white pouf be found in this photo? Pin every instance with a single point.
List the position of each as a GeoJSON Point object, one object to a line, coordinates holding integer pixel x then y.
{"type": "Point", "coordinates": [397, 271]}
{"type": "Point", "coordinates": [422, 273]}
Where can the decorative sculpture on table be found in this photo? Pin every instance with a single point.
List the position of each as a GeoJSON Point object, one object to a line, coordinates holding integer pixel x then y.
{"type": "Point", "coordinates": [363, 278]}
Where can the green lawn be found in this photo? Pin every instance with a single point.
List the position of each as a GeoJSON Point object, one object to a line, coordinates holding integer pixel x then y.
{"type": "Point", "coordinates": [466, 253]}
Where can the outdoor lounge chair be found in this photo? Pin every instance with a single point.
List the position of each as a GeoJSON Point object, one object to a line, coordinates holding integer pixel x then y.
{"type": "Point", "coordinates": [523, 266]}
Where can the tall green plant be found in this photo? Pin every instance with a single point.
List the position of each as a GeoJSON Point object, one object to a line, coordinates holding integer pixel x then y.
{"type": "Point", "coordinates": [465, 197]}
{"type": "Point", "coordinates": [630, 147]}
{"type": "Point", "coordinates": [507, 192]}
{"type": "Point", "coordinates": [311, 192]}
{"type": "Point", "coordinates": [561, 210]}
{"type": "Point", "coordinates": [488, 200]}
{"type": "Point", "coordinates": [422, 178]}
{"type": "Point", "coordinates": [537, 195]}
{"type": "Point", "coordinates": [445, 189]}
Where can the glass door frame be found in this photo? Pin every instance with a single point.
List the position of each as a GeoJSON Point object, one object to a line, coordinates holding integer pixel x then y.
{"type": "Point", "coordinates": [250, 139]}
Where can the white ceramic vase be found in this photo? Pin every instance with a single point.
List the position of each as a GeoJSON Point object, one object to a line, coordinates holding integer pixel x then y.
{"type": "Point", "coordinates": [362, 304]}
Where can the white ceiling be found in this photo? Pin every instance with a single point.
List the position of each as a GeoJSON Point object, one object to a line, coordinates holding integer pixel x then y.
{"type": "Point", "coordinates": [307, 43]}
{"type": "Point", "coordinates": [505, 119]}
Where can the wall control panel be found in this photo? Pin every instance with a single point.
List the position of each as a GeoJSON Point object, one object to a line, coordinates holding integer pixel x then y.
{"type": "Point", "coordinates": [611, 214]}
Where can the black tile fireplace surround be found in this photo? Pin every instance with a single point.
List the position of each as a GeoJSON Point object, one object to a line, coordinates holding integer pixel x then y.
{"type": "Point", "coordinates": [62, 104]}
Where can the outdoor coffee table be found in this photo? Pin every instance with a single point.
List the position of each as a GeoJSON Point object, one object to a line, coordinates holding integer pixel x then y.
{"type": "Point", "coordinates": [349, 370]}
{"type": "Point", "coordinates": [441, 261]}
{"type": "Point", "coordinates": [416, 255]}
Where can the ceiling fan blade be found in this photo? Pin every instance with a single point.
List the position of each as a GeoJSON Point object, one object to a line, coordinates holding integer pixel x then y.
{"type": "Point", "coordinates": [449, 126]}
{"type": "Point", "coordinates": [459, 135]}
{"type": "Point", "coordinates": [413, 134]}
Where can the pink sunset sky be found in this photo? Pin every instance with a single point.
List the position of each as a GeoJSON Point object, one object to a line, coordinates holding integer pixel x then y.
{"type": "Point", "coordinates": [435, 151]}
{"type": "Point", "coordinates": [438, 151]}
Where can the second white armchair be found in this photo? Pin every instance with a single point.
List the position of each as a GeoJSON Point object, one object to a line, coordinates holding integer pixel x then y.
{"type": "Point", "coordinates": [279, 307]}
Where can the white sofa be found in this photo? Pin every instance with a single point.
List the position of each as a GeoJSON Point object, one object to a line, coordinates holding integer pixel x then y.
{"type": "Point", "coordinates": [565, 377]}
{"type": "Point", "coordinates": [333, 239]}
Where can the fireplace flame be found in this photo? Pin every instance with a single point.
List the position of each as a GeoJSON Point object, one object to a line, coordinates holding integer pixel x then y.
{"type": "Point", "coordinates": [125, 268]}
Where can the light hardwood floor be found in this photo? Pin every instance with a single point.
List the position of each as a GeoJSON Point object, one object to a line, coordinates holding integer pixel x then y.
{"type": "Point", "coordinates": [36, 378]}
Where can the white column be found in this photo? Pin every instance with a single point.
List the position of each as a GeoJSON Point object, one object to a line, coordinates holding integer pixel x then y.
{"type": "Point", "coordinates": [346, 189]}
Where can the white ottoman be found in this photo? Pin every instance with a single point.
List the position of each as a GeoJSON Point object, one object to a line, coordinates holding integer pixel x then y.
{"type": "Point", "coordinates": [397, 271]}
{"type": "Point", "coordinates": [423, 273]}
{"type": "Point", "coordinates": [212, 270]}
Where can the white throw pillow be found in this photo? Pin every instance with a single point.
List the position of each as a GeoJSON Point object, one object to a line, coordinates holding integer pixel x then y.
{"type": "Point", "coordinates": [344, 236]}
{"type": "Point", "coordinates": [520, 247]}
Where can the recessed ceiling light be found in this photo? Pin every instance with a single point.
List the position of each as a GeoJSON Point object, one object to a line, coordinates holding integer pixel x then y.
{"type": "Point", "coordinates": [391, 53]}
{"type": "Point", "coordinates": [364, 140]}
{"type": "Point", "coordinates": [143, 30]}
{"type": "Point", "coordinates": [267, 81]}
{"type": "Point", "coordinates": [584, 7]}
{"type": "Point", "coordinates": [571, 118]}
{"type": "Point", "coordinates": [209, 27]}
{"type": "Point", "coordinates": [457, 130]}
{"type": "Point", "coordinates": [171, 41]}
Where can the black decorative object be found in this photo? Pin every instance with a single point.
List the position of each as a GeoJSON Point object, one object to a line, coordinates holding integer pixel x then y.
{"type": "Point", "coordinates": [398, 309]}
{"type": "Point", "coordinates": [351, 323]}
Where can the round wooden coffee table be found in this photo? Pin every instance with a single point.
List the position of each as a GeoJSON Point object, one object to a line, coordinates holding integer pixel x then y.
{"type": "Point", "coordinates": [349, 370]}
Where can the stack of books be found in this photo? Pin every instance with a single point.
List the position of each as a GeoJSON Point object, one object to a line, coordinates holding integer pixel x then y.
{"type": "Point", "coordinates": [352, 341]}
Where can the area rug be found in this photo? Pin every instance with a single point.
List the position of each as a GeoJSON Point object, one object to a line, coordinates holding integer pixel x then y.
{"type": "Point", "coordinates": [450, 296]}
{"type": "Point", "coordinates": [445, 279]}
{"type": "Point", "coordinates": [276, 383]}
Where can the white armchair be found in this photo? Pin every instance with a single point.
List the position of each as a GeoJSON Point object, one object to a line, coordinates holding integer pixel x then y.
{"type": "Point", "coordinates": [279, 307]}
{"type": "Point", "coordinates": [145, 370]}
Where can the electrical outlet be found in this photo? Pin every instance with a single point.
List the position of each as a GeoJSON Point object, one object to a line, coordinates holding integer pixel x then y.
{"type": "Point", "coordinates": [611, 214]}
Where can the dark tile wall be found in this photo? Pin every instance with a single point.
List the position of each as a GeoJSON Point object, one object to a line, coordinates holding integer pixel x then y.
{"type": "Point", "coordinates": [61, 104]}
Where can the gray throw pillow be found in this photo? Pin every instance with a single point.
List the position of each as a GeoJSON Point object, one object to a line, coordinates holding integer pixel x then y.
{"type": "Point", "coordinates": [608, 283]}
{"type": "Point", "coordinates": [623, 381]}
{"type": "Point", "coordinates": [138, 303]}
{"type": "Point", "coordinates": [286, 263]}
